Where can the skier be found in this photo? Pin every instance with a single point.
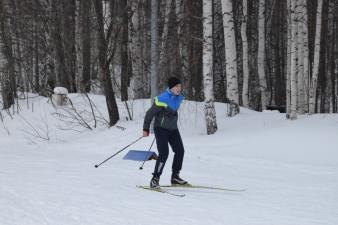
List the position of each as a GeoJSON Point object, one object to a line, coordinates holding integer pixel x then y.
{"type": "Point", "coordinates": [164, 110]}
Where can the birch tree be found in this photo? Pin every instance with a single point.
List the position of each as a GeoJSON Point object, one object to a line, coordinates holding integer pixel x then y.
{"type": "Point", "coordinates": [300, 47]}
{"type": "Point", "coordinates": [245, 92]}
{"type": "Point", "coordinates": [135, 50]}
{"type": "Point", "coordinates": [288, 61]}
{"type": "Point", "coordinates": [182, 32]}
{"type": "Point", "coordinates": [230, 51]}
{"type": "Point", "coordinates": [164, 37]}
{"type": "Point", "coordinates": [315, 70]}
{"type": "Point", "coordinates": [210, 112]}
{"type": "Point", "coordinates": [306, 65]}
{"type": "Point", "coordinates": [261, 54]}
{"type": "Point", "coordinates": [293, 66]}
{"type": "Point", "coordinates": [154, 48]}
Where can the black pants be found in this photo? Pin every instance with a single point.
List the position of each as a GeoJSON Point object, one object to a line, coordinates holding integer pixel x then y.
{"type": "Point", "coordinates": [163, 137]}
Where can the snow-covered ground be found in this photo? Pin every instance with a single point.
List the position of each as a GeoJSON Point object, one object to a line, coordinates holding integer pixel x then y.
{"type": "Point", "coordinates": [289, 169]}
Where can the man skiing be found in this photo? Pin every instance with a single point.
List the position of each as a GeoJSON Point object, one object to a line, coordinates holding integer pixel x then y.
{"type": "Point", "coordinates": [164, 110]}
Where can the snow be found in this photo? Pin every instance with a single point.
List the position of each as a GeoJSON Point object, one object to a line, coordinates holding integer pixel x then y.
{"type": "Point", "coordinates": [288, 168]}
{"type": "Point", "coordinates": [60, 91]}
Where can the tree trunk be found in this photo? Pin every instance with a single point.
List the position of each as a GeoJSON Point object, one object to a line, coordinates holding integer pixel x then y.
{"type": "Point", "coordinates": [8, 82]}
{"type": "Point", "coordinates": [300, 54]}
{"type": "Point", "coordinates": [69, 43]}
{"type": "Point", "coordinates": [230, 51]}
{"type": "Point", "coordinates": [164, 44]}
{"type": "Point", "coordinates": [105, 58]}
{"type": "Point", "coordinates": [125, 76]}
{"type": "Point", "coordinates": [293, 66]}
{"type": "Point", "coordinates": [306, 64]}
{"type": "Point", "coordinates": [86, 45]}
{"type": "Point", "coordinates": [210, 112]}
{"type": "Point", "coordinates": [315, 70]}
{"type": "Point", "coordinates": [36, 67]}
{"type": "Point", "coordinates": [245, 92]}
{"type": "Point", "coordinates": [36, 53]}
{"type": "Point", "coordinates": [219, 62]}
{"type": "Point", "coordinates": [182, 30]}
{"type": "Point", "coordinates": [135, 49]}
{"type": "Point", "coordinates": [79, 41]}
{"type": "Point", "coordinates": [154, 48]}
{"type": "Point", "coordinates": [288, 61]}
{"type": "Point", "coordinates": [261, 54]}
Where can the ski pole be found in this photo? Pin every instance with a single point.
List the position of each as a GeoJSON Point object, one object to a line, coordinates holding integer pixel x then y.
{"type": "Point", "coordinates": [141, 168]}
{"type": "Point", "coordinates": [118, 152]}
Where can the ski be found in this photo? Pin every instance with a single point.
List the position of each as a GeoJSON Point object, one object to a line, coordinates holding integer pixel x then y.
{"type": "Point", "coordinates": [161, 191]}
{"type": "Point", "coordinates": [199, 187]}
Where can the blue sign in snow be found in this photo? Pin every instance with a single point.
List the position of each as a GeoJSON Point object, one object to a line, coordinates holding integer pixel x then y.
{"type": "Point", "coordinates": [138, 155]}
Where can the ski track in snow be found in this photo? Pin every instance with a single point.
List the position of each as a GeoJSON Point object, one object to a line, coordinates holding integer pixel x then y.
{"type": "Point", "coordinates": [289, 170]}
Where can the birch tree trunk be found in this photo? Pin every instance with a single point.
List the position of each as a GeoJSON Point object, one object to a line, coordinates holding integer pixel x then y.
{"type": "Point", "coordinates": [306, 64]}
{"type": "Point", "coordinates": [288, 61]}
{"type": "Point", "coordinates": [164, 37]}
{"type": "Point", "coordinates": [245, 92]}
{"type": "Point", "coordinates": [182, 43]}
{"type": "Point", "coordinates": [210, 112]}
{"type": "Point", "coordinates": [315, 70]}
{"type": "Point", "coordinates": [261, 54]}
{"type": "Point", "coordinates": [300, 47]}
{"type": "Point", "coordinates": [135, 46]}
{"type": "Point", "coordinates": [154, 48]}
{"type": "Point", "coordinates": [230, 51]}
{"type": "Point", "coordinates": [293, 66]}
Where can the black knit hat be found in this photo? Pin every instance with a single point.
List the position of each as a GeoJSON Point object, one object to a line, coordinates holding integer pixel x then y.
{"type": "Point", "coordinates": [173, 81]}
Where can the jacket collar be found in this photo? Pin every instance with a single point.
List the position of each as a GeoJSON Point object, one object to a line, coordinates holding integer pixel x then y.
{"type": "Point", "coordinates": [170, 93]}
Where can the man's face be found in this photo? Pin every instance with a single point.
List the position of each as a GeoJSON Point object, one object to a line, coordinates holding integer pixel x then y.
{"type": "Point", "coordinates": [176, 90]}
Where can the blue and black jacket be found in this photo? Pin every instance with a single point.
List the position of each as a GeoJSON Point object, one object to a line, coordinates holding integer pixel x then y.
{"type": "Point", "coordinates": [165, 111]}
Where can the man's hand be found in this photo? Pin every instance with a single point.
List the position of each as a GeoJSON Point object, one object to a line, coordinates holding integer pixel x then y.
{"type": "Point", "coordinates": [145, 133]}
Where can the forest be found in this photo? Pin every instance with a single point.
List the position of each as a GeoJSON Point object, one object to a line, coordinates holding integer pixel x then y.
{"type": "Point", "coordinates": [259, 54]}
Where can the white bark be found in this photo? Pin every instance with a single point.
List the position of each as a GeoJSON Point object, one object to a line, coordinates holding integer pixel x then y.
{"type": "Point", "coordinates": [210, 112]}
{"type": "Point", "coordinates": [154, 48]}
{"type": "Point", "coordinates": [135, 46]}
{"type": "Point", "coordinates": [306, 56]}
{"type": "Point", "coordinates": [300, 46]}
{"type": "Point", "coordinates": [261, 53]}
{"type": "Point", "coordinates": [230, 51]}
{"type": "Point", "coordinates": [315, 70]}
{"type": "Point", "coordinates": [288, 61]}
{"type": "Point", "coordinates": [164, 38]}
{"type": "Point", "coordinates": [245, 92]}
{"type": "Point", "coordinates": [183, 50]}
{"type": "Point", "coordinates": [294, 68]}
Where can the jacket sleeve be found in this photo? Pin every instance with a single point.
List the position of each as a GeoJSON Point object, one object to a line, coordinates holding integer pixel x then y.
{"type": "Point", "coordinates": [150, 115]}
